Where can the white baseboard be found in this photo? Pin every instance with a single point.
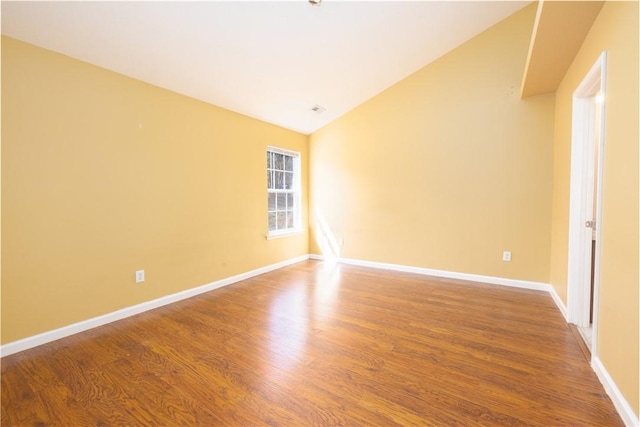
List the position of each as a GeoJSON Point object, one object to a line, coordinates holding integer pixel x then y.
{"type": "Point", "coordinates": [65, 331]}
{"type": "Point", "coordinates": [559, 303]}
{"type": "Point", "coordinates": [447, 274]}
{"type": "Point", "coordinates": [624, 409]}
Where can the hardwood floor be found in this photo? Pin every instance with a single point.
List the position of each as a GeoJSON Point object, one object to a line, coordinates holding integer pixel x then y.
{"type": "Point", "coordinates": [316, 344]}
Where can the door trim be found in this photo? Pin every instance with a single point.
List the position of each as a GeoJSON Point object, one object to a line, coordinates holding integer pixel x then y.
{"type": "Point", "coordinates": [585, 112]}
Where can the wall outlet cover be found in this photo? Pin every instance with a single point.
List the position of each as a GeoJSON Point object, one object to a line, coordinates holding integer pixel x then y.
{"type": "Point", "coordinates": [139, 276]}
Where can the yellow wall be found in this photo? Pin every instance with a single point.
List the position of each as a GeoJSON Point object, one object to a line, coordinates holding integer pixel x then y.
{"type": "Point", "coordinates": [616, 31]}
{"type": "Point", "coordinates": [103, 175]}
{"type": "Point", "coordinates": [445, 169]}
{"type": "Point", "coordinates": [89, 196]}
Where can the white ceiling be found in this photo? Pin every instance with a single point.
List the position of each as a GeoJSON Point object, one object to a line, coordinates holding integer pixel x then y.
{"type": "Point", "coordinates": [271, 60]}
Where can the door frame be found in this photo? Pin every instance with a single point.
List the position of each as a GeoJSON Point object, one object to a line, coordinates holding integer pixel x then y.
{"type": "Point", "coordinates": [583, 138]}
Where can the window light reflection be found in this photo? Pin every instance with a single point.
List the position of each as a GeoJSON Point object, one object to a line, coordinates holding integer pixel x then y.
{"type": "Point", "coordinates": [326, 240]}
{"type": "Point", "coordinates": [288, 324]}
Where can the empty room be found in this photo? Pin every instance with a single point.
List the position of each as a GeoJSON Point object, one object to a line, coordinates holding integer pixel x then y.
{"type": "Point", "coordinates": [312, 212]}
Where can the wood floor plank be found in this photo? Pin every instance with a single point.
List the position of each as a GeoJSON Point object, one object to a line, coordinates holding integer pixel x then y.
{"type": "Point", "coordinates": [318, 344]}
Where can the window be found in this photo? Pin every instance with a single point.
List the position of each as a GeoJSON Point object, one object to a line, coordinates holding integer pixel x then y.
{"type": "Point", "coordinates": [283, 190]}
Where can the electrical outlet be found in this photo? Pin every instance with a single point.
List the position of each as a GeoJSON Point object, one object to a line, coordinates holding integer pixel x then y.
{"type": "Point", "coordinates": [506, 256]}
{"type": "Point", "coordinates": [139, 276]}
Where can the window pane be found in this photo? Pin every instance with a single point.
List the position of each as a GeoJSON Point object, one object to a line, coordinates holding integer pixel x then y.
{"type": "Point", "coordinates": [282, 195]}
{"type": "Point", "coordinates": [288, 180]}
{"type": "Point", "coordinates": [272, 221]}
{"type": "Point", "coordinates": [282, 220]}
{"type": "Point", "coordinates": [278, 161]}
{"type": "Point", "coordinates": [290, 219]}
{"type": "Point", "coordinates": [272, 202]}
{"type": "Point", "coordinates": [282, 202]}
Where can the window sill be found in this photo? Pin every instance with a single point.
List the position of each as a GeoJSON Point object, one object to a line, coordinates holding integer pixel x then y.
{"type": "Point", "coordinates": [284, 234]}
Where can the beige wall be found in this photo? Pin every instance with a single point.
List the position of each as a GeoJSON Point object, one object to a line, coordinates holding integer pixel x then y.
{"type": "Point", "coordinates": [616, 31]}
{"type": "Point", "coordinates": [447, 168]}
{"type": "Point", "coordinates": [103, 175]}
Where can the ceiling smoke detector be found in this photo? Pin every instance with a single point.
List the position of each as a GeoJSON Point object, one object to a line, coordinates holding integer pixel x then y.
{"type": "Point", "coordinates": [315, 2]}
{"type": "Point", "coordinates": [318, 109]}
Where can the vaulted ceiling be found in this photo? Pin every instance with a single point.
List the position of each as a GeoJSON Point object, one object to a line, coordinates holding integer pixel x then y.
{"type": "Point", "coordinates": [271, 60]}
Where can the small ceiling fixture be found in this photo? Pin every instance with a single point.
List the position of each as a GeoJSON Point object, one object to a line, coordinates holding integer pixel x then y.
{"type": "Point", "coordinates": [315, 2]}
{"type": "Point", "coordinates": [318, 109]}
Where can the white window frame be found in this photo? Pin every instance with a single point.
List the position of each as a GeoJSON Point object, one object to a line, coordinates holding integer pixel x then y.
{"type": "Point", "coordinates": [295, 190]}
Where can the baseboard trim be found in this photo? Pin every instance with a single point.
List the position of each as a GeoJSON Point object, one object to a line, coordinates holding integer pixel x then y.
{"type": "Point", "coordinates": [537, 286]}
{"type": "Point", "coordinates": [65, 331]}
{"type": "Point", "coordinates": [462, 276]}
{"type": "Point", "coordinates": [559, 303]}
{"type": "Point", "coordinates": [622, 406]}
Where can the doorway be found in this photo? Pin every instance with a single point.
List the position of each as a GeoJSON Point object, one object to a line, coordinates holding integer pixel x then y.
{"type": "Point", "coordinates": [587, 142]}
